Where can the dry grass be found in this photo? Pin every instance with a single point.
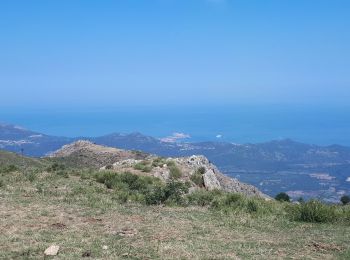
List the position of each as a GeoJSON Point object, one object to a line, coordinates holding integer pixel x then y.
{"type": "Point", "coordinates": [82, 217]}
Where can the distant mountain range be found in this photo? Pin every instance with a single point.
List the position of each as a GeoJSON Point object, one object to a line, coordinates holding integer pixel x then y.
{"type": "Point", "coordinates": [263, 164]}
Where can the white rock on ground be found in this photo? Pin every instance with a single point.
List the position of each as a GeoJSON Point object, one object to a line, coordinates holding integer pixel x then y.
{"type": "Point", "coordinates": [52, 250]}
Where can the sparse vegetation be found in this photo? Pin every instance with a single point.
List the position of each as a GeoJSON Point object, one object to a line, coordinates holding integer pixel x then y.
{"type": "Point", "coordinates": [99, 208]}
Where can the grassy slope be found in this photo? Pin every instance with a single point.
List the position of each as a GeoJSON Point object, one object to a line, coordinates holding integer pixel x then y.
{"type": "Point", "coordinates": [81, 215]}
{"type": "Point", "coordinates": [8, 158]}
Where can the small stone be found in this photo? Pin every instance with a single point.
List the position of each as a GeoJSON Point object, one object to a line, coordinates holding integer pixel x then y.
{"type": "Point", "coordinates": [52, 250]}
{"type": "Point", "coordinates": [105, 247]}
{"type": "Point", "coordinates": [86, 254]}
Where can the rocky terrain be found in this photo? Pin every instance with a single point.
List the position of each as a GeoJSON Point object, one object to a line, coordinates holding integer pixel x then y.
{"type": "Point", "coordinates": [196, 170]}
{"type": "Point", "coordinates": [88, 154]}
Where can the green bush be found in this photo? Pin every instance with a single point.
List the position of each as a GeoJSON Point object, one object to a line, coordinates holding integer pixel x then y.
{"type": "Point", "coordinates": [197, 177]}
{"type": "Point", "coordinates": [314, 211]}
{"type": "Point", "coordinates": [109, 167]}
{"type": "Point", "coordinates": [143, 166]}
{"type": "Point", "coordinates": [158, 162]}
{"type": "Point", "coordinates": [55, 167]}
{"type": "Point", "coordinates": [126, 181]}
{"type": "Point", "coordinates": [172, 193]}
{"type": "Point", "coordinates": [345, 199]}
{"type": "Point", "coordinates": [203, 198]}
{"type": "Point", "coordinates": [175, 172]}
{"type": "Point", "coordinates": [63, 173]}
{"type": "Point", "coordinates": [170, 163]}
{"type": "Point", "coordinates": [252, 206]}
{"type": "Point", "coordinates": [282, 196]}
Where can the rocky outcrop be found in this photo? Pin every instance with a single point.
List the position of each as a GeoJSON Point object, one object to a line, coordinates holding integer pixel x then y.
{"type": "Point", "coordinates": [212, 178]}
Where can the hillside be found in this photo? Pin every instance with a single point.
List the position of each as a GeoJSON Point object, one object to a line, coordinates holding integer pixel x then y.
{"type": "Point", "coordinates": [9, 158]}
{"type": "Point", "coordinates": [107, 215]}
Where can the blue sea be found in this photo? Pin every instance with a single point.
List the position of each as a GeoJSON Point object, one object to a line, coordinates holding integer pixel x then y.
{"type": "Point", "coordinates": [234, 123]}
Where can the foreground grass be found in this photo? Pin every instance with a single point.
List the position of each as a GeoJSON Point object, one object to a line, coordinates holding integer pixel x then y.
{"type": "Point", "coordinates": [85, 218]}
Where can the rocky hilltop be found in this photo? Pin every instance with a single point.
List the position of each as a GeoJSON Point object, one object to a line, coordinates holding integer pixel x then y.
{"type": "Point", "coordinates": [87, 154]}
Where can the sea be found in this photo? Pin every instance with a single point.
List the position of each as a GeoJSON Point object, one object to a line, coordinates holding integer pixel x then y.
{"type": "Point", "coordinates": [322, 125]}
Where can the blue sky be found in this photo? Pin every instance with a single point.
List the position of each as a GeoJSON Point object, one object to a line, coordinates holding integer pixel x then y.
{"type": "Point", "coordinates": [156, 52]}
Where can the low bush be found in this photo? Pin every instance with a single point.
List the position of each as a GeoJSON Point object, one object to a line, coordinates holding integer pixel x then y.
{"type": "Point", "coordinates": [203, 198]}
{"type": "Point", "coordinates": [197, 177]}
{"type": "Point", "coordinates": [345, 199]}
{"type": "Point", "coordinates": [143, 166]}
{"type": "Point", "coordinates": [282, 196]}
{"type": "Point", "coordinates": [175, 172]}
{"type": "Point", "coordinates": [126, 180]}
{"type": "Point", "coordinates": [172, 194]}
{"type": "Point", "coordinates": [314, 211]}
{"type": "Point", "coordinates": [158, 162]}
{"type": "Point", "coordinates": [55, 167]}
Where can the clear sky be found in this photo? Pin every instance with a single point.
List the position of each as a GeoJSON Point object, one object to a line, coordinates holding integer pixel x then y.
{"type": "Point", "coordinates": [174, 52]}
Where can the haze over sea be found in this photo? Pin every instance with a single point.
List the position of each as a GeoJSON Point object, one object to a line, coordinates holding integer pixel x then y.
{"type": "Point", "coordinates": [241, 123]}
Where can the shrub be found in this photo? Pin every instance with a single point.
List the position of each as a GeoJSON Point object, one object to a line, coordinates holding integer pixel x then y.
{"type": "Point", "coordinates": [203, 198]}
{"type": "Point", "coordinates": [156, 196]}
{"type": "Point", "coordinates": [172, 193]}
{"type": "Point", "coordinates": [345, 199]}
{"type": "Point", "coordinates": [175, 172]}
{"type": "Point", "coordinates": [62, 173]}
{"type": "Point", "coordinates": [55, 167]}
{"type": "Point", "coordinates": [109, 167]}
{"type": "Point", "coordinates": [143, 166]}
{"type": "Point", "coordinates": [314, 211]}
{"type": "Point", "coordinates": [282, 197]}
{"type": "Point", "coordinates": [170, 163]}
{"type": "Point", "coordinates": [125, 181]}
{"type": "Point", "coordinates": [252, 206]}
{"type": "Point", "coordinates": [2, 184]}
{"type": "Point", "coordinates": [197, 177]}
{"type": "Point", "coordinates": [158, 162]}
